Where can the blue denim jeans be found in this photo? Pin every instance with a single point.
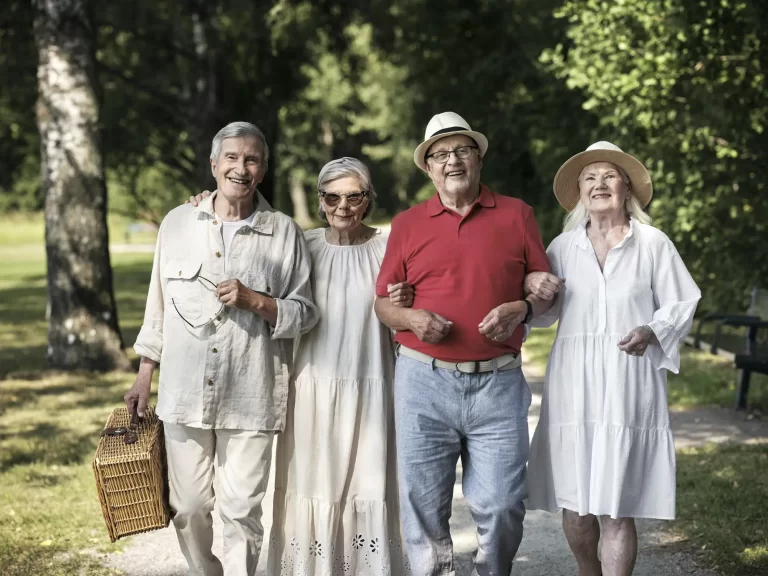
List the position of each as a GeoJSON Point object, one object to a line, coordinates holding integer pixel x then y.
{"type": "Point", "coordinates": [441, 416]}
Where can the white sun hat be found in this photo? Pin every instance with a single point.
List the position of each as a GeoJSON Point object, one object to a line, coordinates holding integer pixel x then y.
{"type": "Point", "coordinates": [566, 184]}
{"type": "Point", "coordinates": [442, 125]}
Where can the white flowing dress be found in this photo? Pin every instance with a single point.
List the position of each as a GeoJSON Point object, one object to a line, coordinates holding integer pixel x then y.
{"type": "Point", "coordinates": [603, 444]}
{"type": "Point", "coordinates": [336, 506]}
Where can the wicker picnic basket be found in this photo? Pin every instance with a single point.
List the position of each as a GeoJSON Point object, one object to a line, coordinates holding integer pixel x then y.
{"type": "Point", "coordinates": [132, 479]}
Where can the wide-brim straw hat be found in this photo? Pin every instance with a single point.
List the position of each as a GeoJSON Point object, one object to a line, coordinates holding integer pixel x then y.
{"type": "Point", "coordinates": [442, 125]}
{"type": "Point", "coordinates": [566, 184]}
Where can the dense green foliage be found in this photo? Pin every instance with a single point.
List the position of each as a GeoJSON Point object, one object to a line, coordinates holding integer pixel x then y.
{"type": "Point", "coordinates": [679, 83]}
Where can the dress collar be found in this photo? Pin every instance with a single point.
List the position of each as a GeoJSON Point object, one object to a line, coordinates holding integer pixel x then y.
{"type": "Point", "coordinates": [582, 240]}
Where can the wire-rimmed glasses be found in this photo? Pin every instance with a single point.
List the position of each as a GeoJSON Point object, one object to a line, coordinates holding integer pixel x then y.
{"type": "Point", "coordinates": [462, 152]}
{"type": "Point", "coordinates": [211, 319]}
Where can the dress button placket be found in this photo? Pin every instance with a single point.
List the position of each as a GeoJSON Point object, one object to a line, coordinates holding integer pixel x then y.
{"type": "Point", "coordinates": [602, 302]}
{"type": "Point", "coordinates": [602, 305]}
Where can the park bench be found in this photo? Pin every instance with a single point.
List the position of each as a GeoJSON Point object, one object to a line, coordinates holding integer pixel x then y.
{"type": "Point", "coordinates": [754, 357]}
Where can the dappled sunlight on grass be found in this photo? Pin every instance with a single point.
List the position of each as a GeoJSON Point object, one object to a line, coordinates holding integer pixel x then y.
{"type": "Point", "coordinates": [722, 502]}
{"type": "Point", "coordinates": [705, 379]}
{"type": "Point", "coordinates": [23, 298]}
{"type": "Point", "coordinates": [50, 517]}
{"type": "Point", "coordinates": [49, 428]}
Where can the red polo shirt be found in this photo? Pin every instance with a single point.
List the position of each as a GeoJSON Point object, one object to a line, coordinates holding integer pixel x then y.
{"type": "Point", "coordinates": [463, 267]}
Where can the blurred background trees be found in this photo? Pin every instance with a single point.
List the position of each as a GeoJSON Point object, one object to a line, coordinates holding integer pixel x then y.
{"type": "Point", "coordinates": [679, 83]}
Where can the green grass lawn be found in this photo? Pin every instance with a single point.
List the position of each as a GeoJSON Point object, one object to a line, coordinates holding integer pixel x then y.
{"type": "Point", "coordinates": [50, 519]}
{"type": "Point", "coordinates": [29, 229]}
{"type": "Point", "coordinates": [722, 506]}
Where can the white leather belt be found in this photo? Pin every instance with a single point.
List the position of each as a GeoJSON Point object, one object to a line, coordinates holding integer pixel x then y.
{"type": "Point", "coordinates": [505, 362]}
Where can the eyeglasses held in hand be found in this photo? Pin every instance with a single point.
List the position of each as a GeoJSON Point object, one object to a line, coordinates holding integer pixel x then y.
{"type": "Point", "coordinates": [461, 152]}
{"type": "Point", "coordinates": [353, 199]}
{"type": "Point", "coordinates": [211, 319]}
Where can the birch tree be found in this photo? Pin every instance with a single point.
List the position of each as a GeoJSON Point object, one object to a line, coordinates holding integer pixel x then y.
{"type": "Point", "coordinates": [83, 330]}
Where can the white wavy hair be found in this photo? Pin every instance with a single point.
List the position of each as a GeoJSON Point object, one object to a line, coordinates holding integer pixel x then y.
{"type": "Point", "coordinates": [633, 209]}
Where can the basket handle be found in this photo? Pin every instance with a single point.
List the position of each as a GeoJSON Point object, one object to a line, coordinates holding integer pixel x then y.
{"type": "Point", "coordinates": [131, 435]}
{"type": "Point", "coordinates": [135, 416]}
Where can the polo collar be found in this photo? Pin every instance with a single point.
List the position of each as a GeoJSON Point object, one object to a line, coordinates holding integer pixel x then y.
{"type": "Point", "coordinates": [486, 200]}
{"type": "Point", "coordinates": [263, 220]}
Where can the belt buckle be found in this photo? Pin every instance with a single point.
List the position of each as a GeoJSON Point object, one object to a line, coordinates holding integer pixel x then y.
{"type": "Point", "coordinates": [475, 367]}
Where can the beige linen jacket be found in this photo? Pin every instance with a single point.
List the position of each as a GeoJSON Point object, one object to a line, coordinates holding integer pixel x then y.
{"type": "Point", "coordinates": [230, 369]}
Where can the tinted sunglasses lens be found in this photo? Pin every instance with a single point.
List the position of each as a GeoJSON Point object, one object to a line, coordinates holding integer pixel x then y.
{"type": "Point", "coordinates": [332, 199]}
{"type": "Point", "coordinates": [355, 199]}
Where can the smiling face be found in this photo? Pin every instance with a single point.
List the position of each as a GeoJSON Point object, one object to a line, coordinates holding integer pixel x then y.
{"type": "Point", "coordinates": [342, 216]}
{"type": "Point", "coordinates": [240, 168]}
{"type": "Point", "coordinates": [602, 188]}
{"type": "Point", "coordinates": [458, 176]}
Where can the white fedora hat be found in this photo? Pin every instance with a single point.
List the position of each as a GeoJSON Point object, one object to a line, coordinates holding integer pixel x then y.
{"type": "Point", "coordinates": [442, 125]}
{"type": "Point", "coordinates": [566, 184]}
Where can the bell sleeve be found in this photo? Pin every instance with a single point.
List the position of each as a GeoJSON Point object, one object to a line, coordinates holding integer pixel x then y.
{"type": "Point", "coordinates": [675, 297]}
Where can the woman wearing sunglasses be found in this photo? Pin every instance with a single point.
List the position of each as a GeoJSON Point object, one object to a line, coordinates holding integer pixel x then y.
{"type": "Point", "coordinates": [336, 508]}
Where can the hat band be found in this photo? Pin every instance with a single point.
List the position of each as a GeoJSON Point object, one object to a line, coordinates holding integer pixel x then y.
{"type": "Point", "coordinates": [451, 129]}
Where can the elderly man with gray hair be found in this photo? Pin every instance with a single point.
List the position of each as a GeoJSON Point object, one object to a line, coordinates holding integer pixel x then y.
{"type": "Point", "coordinates": [230, 289]}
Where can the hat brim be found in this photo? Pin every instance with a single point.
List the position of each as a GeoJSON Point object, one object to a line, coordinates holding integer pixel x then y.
{"type": "Point", "coordinates": [421, 149]}
{"type": "Point", "coordinates": [566, 183]}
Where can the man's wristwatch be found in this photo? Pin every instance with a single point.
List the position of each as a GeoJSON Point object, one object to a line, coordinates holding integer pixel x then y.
{"type": "Point", "coordinates": [529, 313]}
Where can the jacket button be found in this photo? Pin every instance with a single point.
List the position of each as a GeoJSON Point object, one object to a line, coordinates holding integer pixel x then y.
{"type": "Point", "coordinates": [210, 382]}
{"type": "Point", "coordinates": [269, 289]}
{"type": "Point", "coordinates": [218, 254]}
{"type": "Point", "coordinates": [179, 272]}
{"type": "Point", "coordinates": [215, 350]}
{"type": "Point", "coordinates": [215, 222]}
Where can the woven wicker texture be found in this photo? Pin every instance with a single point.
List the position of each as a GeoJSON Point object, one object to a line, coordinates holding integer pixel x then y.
{"type": "Point", "coordinates": [131, 478]}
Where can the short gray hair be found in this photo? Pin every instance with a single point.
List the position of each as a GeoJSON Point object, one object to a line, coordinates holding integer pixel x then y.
{"type": "Point", "coordinates": [343, 168]}
{"type": "Point", "coordinates": [238, 130]}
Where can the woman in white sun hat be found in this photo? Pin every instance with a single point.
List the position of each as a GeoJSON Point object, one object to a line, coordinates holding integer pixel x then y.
{"type": "Point", "coordinates": [603, 447]}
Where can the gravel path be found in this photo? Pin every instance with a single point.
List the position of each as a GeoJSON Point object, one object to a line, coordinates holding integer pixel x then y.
{"type": "Point", "coordinates": [544, 551]}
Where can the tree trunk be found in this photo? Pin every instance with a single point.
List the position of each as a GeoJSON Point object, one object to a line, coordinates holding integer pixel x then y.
{"type": "Point", "coordinates": [83, 331]}
{"type": "Point", "coordinates": [327, 139]}
{"type": "Point", "coordinates": [204, 126]}
{"type": "Point", "coordinates": [299, 200]}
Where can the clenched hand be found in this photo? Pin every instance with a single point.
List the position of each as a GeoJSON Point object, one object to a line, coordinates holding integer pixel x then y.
{"type": "Point", "coordinates": [429, 326]}
{"type": "Point", "coordinates": [233, 294]}
{"type": "Point", "coordinates": [543, 285]}
{"type": "Point", "coordinates": [500, 323]}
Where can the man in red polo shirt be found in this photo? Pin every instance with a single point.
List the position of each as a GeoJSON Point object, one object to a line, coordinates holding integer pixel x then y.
{"type": "Point", "coordinates": [459, 388]}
